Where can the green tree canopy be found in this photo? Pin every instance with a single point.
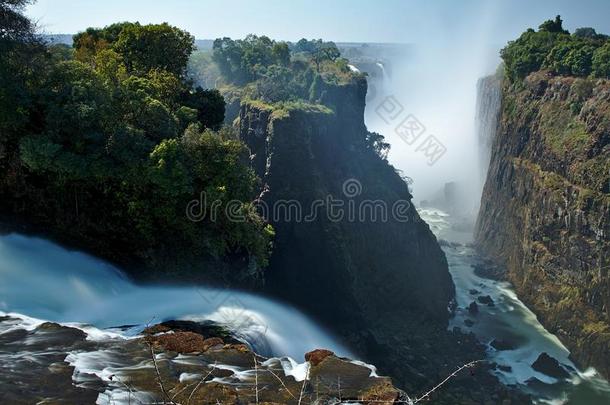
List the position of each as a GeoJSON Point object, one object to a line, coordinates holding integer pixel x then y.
{"type": "Point", "coordinates": [553, 48]}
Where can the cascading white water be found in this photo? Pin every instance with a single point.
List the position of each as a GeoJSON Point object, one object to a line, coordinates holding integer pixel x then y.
{"type": "Point", "coordinates": [43, 280]}
{"type": "Point", "coordinates": [489, 97]}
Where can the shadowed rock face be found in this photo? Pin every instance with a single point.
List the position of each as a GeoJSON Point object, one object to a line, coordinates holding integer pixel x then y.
{"type": "Point", "coordinates": [32, 366]}
{"type": "Point", "coordinates": [345, 271]}
{"type": "Point", "coordinates": [382, 285]}
{"type": "Point", "coordinates": [545, 210]}
{"type": "Point", "coordinates": [549, 366]}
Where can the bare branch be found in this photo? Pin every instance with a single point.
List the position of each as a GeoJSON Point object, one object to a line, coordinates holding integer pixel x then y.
{"type": "Point", "coordinates": [159, 380]}
{"type": "Point", "coordinates": [304, 383]}
{"type": "Point", "coordinates": [188, 401]}
{"type": "Point", "coordinates": [427, 394]}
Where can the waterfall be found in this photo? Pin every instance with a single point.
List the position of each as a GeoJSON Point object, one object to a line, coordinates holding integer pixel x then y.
{"type": "Point", "coordinates": [487, 115]}
{"type": "Point", "coordinates": [44, 281]}
{"type": "Point", "coordinates": [384, 74]}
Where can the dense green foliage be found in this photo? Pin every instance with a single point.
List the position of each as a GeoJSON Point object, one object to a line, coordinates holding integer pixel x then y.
{"type": "Point", "coordinates": [274, 71]}
{"type": "Point", "coordinates": [582, 53]}
{"type": "Point", "coordinates": [118, 142]}
{"type": "Point", "coordinates": [19, 47]}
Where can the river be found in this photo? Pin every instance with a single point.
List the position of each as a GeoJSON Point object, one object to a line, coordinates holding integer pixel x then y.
{"type": "Point", "coordinates": [509, 320]}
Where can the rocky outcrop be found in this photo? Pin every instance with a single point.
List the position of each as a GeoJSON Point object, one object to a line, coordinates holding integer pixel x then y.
{"type": "Point", "coordinates": [344, 269]}
{"type": "Point", "coordinates": [545, 209]}
{"type": "Point", "coordinates": [382, 284]}
{"type": "Point", "coordinates": [548, 365]}
{"type": "Point", "coordinates": [164, 366]}
{"type": "Point", "coordinates": [365, 268]}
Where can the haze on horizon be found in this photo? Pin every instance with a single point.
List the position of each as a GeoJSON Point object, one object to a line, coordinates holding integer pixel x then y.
{"type": "Point", "coordinates": [398, 21]}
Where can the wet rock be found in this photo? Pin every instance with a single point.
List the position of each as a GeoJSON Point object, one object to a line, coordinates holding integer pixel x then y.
{"type": "Point", "coordinates": [183, 342]}
{"type": "Point", "coordinates": [315, 357]}
{"type": "Point", "coordinates": [205, 328]}
{"type": "Point", "coordinates": [501, 345]}
{"type": "Point", "coordinates": [506, 369]}
{"type": "Point", "coordinates": [548, 365]}
{"type": "Point", "coordinates": [473, 308]}
{"type": "Point", "coordinates": [486, 300]}
{"type": "Point", "coordinates": [474, 292]}
{"type": "Point", "coordinates": [489, 270]}
{"type": "Point", "coordinates": [155, 329]}
{"type": "Point", "coordinates": [335, 377]}
{"type": "Point", "coordinates": [468, 322]}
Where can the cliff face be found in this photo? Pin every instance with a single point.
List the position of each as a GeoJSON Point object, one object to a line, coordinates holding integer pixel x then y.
{"type": "Point", "coordinates": [382, 284]}
{"type": "Point", "coordinates": [545, 209]}
{"type": "Point", "coordinates": [365, 269]}
{"type": "Point", "coordinates": [379, 283]}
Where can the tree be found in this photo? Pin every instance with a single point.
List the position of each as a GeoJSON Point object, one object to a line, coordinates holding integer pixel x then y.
{"type": "Point", "coordinates": [209, 104]}
{"type": "Point", "coordinates": [585, 32]}
{"type": "Point", "coordinates": [530, 51]}
{"type": "Point", "coordinates": [601, 61]}
{"type": "Point", "coordinates": [281, 53]}
{"type": "Point", "coordinates": [376, 142]}
{"type": "Point", "coordinates": [15, 27]}
{"type": "Point", "coordinates": [243, 61]}
{"type": "Point", "coordinates": [570, 57]}
{"type": "Point", "coordinates": [159, 46]}
{"type": "Point", "coordinates": [555, 26]}
{"type": "Point", "coordinates": [93, 40]}
{"type": "Point", "coordinates": [22, 59]}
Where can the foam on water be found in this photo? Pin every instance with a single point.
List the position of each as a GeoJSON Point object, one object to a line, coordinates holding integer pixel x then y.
{"type": "Point", "coordinates": [512, 321]}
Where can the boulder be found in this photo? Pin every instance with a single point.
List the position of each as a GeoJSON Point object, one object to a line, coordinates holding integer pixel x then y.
{"type": "Point", "coordinates": [315, 357]}
{"type": "Point", "coordinates": [473, 308]}
{"type": "Point", "coordinates": [501, 345]}
{"type": "Point", "coordinates": [548, 365]}
{"type": "Point", "coordinates": [486, 300]}
{"type": "Point", "coordinates": [179, 342]}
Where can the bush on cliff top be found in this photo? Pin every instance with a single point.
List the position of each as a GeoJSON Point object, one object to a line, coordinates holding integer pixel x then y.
{"type": "Point", "coordinates": [581, 54]}
{"type": "Point", "coordinates": [274, 71]}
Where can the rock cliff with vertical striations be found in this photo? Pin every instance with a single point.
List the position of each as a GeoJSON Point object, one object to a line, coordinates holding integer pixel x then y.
{"type": "Point", "coordinates": [545, 210]}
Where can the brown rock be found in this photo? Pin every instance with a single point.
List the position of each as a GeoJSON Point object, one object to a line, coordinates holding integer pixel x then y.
{"type": "Point", "coordinates": [315, 357]}
{"type": "Point", "coordinates": [240, 347]}
{"type": "Point", "coordinates": [153, 330]}
{"type": "Point", "coordinates": [211, 342]}
{"type": "Point", "coordinates": [180, 342]}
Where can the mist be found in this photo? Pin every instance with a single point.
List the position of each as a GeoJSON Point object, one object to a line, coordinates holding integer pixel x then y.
{"type": "Point", "coordinates": [436, 82]}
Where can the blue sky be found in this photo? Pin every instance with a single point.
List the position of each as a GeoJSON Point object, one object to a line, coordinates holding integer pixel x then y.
{"type": "Point", "coordinates": [340, 20]}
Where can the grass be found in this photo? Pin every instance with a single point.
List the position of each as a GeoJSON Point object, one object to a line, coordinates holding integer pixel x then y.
{"type": "Point", "coordinates": [283, 109]}
{"type": "Point", "coordinates": [563, 132]}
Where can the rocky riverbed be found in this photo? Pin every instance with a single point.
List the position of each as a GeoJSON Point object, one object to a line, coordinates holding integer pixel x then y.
{"type": "Point", "coordinates": [172, 362]}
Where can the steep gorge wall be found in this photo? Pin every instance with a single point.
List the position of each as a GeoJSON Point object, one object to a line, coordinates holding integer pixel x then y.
{"type": "Point", "coordinates": [363, 277]}
{"type": "Point", "coordinates": [545, 209]}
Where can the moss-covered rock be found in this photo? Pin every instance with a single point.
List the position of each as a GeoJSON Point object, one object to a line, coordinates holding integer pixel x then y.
{"type": "Point", "coordinates": [545, 210]}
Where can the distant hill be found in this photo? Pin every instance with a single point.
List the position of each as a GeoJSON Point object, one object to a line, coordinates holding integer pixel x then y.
{"type": "Point", "coordinates": [58, 38]}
